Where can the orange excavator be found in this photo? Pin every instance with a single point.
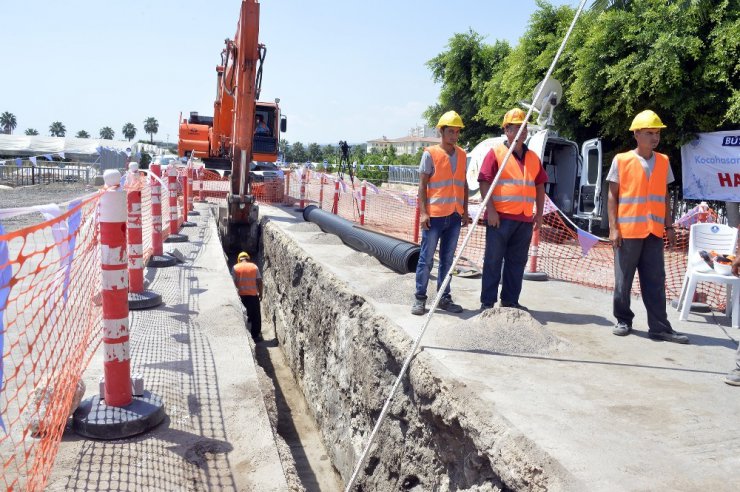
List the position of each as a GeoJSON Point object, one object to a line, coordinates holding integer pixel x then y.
{"type": "Point", "coordinates": [241, 130]}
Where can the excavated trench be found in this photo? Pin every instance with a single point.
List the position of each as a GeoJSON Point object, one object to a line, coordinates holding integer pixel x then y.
{"type": "Point", "coordinates": [333, 353]}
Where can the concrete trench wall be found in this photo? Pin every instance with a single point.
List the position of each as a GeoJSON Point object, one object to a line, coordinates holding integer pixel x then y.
{"type": "Point", "coordinates": [344, 356]}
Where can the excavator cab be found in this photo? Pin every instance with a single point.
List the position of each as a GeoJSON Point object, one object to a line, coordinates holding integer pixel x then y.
{"type": "Point", "coordinates": [268, 123]}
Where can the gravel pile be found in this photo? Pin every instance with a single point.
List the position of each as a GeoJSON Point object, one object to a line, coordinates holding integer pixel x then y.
{"type": "Point", "coordinates": [401, 290]}
{"type": "Point", "coordinates": [26, 196]}
{"type": "Point", "coordinates": [359, 258]}
{"type": "Point", "coordinates": [502, 330]}
{"type": "Point", "coordinates": [322, 238]}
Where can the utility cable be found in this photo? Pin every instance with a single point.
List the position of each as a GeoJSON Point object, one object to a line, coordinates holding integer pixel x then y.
{"type": "Point", "coordinates": [448, 277]}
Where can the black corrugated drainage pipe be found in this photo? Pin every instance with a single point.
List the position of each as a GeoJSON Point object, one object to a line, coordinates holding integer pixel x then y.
{"type": "Point", "coordinates": [401, 256]}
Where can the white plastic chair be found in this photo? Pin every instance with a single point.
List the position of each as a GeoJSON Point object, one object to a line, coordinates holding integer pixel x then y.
{"type": "Point", "coordinates": [722, 239]}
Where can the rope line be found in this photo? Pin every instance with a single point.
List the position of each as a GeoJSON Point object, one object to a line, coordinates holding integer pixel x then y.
{"type": "Point", "coordinates": [448, 277]}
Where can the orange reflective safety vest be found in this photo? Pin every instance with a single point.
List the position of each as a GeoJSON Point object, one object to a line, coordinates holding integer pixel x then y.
{"type": "Point", "coordinates": [516, 193]}
{"type": "Point", "coordinates": [246, 278]}
{"type": "Point", "coordinates": [641, 208]}
{"type": "Point", "coordinates": [445, 191]}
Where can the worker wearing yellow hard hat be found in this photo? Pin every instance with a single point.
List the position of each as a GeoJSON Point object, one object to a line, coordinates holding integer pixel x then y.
{"type": "Point", "coordinates": [248, 281]}
{"type": "Point", "coordinates": [639, 216]}
{"type": "Point", "coordinates": [443, 209]}
{"type": "Point", "coordinates": [511, 215]}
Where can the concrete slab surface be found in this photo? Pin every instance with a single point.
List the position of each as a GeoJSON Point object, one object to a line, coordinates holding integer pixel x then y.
{"type": "Point", "coordinates": [619, 413]}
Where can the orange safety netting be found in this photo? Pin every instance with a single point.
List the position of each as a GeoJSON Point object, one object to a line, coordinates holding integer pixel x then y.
{"type": "Point", "coordinates": [50, 326]}
{"type": "Point", "coordinates": [51, 322]}
{"type": "Point", "coordinates": [561, 248]}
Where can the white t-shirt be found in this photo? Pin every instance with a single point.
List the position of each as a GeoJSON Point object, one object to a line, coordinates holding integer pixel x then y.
{"type": "Point", "coordinates": [427, 163]}
{"type": "Point", "coordinates": [647, 165]}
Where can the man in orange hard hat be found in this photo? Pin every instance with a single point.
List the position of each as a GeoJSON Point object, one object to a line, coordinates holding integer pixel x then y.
{"type": "Point", "coordinates": [510, 213]}
{"type": "Point", "coordinates": [639, 216]}
{"type": "Point", "coordinates": [443, 209]}
{"type": "Point", "coordinates": [248, 282]}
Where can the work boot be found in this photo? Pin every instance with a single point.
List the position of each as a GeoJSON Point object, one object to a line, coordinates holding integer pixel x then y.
{"type": "Point", "coordinates": [733, 377]}
{"type": "Point", "coordinates": [446, 304]}
{"type": "Point", "coordinates": [485, 306]}
{"type": "Point", "coordinates": [669, 336]}
{"type": "Point", "coordinates": [514, 305]}
{"type": "Point", "coordinates": [419, 307]}
{"type": "Point", "coordinates": [622, 329]}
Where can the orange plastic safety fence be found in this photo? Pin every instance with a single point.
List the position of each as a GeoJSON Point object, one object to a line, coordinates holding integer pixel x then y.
{"type": "Point", "coordinates": [561, 255]}
{"type": "Point", "coordinates": [50, 326]}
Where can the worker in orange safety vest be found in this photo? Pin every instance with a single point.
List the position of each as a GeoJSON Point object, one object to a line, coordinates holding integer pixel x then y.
{"type": "Point", "coordinates": [443, 209]}
{"type": "Point", "coordinates": [248, 281]}
{"type": "Point", "coordinates": [639, 212]}
{"type": "Point", "coordinates": [511, 216]}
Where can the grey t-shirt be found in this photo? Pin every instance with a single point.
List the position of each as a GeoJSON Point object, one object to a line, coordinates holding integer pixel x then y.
{"type": "Point", "coordinates": [647, 165]}
{"type": "Point", "coordinates": [427, 163]}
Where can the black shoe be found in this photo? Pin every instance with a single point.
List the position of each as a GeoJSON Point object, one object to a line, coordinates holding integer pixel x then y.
{"type": "Point", "coordinates": [514, 305]}
{"type": "Point", "coordinates": [449, 306]}
{"type": "Point", "coordinates": [622, 329]}
{"type": "Point", "coordinates": [669, 336]}
{"type": "Point", "coordinates": [419, 307]}
{"type": "Point", "coordinates": [485, 306]}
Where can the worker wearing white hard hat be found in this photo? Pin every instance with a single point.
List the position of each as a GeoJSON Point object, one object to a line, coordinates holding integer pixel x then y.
{"type": "Point", "coordinates": [639, 217]}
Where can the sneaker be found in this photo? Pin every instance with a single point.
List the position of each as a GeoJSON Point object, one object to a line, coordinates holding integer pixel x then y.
{"type": "Point", "coordinates": [733, 377]}
{"type": "Point", "coordinates": [622, 329]}
{"type": "Point", "coordinates": [669, 336]}
{"type": "Point", "coordinates": [485, 306]}
{"type": "Point", "coordinates": [419, 307]}
{"type": "Point", "coordinates": [446, 304]}
{"type": "Point", "coordinates": [514, 305]}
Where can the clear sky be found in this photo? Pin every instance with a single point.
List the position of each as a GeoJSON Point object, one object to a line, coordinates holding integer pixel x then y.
{"type": "Point", "coordinates": [343, 70]}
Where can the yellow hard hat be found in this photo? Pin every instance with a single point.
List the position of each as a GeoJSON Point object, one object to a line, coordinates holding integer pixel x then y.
{"type": "Point", "coordinates": [450, 118]}
{"type": "Point", "coordinates": [514, 116]}
{"type": "Point", "coordinates": [646, 119]}
{"type": "Point", "coordinates": [242, 255]}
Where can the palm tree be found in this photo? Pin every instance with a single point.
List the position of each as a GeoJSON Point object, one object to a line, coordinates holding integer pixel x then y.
{"type": "Point", "coordinates": [31, 131]}
{"type": "Point", "coordinates": [129, 131]}
{"type": "Point", "coordinates": [82, 134]}
{"type": "Point", "coordinates": [8, 122]}
{"type": "Point", "coordinates": [107, 133]}
{"type": "Point", "coordinates": [151, 126]}
{"type": "Point", "coordinates": [57, 129]}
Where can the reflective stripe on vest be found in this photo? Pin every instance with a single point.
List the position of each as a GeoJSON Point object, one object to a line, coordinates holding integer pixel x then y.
{"type": "Point", "coordinates": [516, 192]}
{"type": "Point", "coordinates": [445, 191]}
{"type": "Point", "coordinates": [641, 209]}
{"type": "Point", "coordinates": [246, 279]}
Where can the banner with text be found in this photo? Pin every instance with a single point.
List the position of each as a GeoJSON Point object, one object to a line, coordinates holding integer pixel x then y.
{"type": "Point", "coordinates": [711, 166]}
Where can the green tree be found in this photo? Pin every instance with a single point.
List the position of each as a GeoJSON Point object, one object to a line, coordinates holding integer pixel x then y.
{"type": "Point", "coordinates": [57, 129]}
{"type": "Point", "coordinates": [298, 153]}
{"type": "Point", "coordinates": [464, 70]}
{"type": "Point", "coordinates": [8, 122]}
{"type": "Point", "coordinates": [151, 126]}
{"type": "Point", "coordinates": [31, 131]}
{"type": "Point", "coordinates": [129, 131]}
{"type": "Point", "coordinates": [82, 134]}
{"type": "Point", "coordinates": [284, 147]}
{"type": "Point", "coordinates": [314, 152]}
{"type": "Point", "coordinates": [107, 133]}
{"type": "Point", "coordinates": [329, 152]}
{"type": "Point", "coordinates": [358, 152]}
{"type": "Point", "coordinates": [675, 58]}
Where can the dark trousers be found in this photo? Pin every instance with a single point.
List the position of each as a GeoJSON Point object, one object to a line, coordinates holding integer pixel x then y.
{"type": "Point", "coordinates": [254, 315]}
{"type": "Point", "coordinates": [645, 256]}
{"type": "Point", "coordinates": [508, 244]}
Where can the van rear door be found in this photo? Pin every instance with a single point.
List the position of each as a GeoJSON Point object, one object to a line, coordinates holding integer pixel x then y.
{"type": "Point", "coordinates": [589, 201]}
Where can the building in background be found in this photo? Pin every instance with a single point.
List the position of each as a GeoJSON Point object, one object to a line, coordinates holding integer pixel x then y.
{"type": "Point", "coordinates": [418, 137]}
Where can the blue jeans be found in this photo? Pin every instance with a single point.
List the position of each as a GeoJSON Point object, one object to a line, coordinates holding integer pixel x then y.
{"type": "Point", "coordinates": [445, 231]}
{"type": "Point", "coordinates": [507, 243]}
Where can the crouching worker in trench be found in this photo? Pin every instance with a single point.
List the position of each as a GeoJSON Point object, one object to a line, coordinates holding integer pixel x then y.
{"type": "Point", "coordinates": [248, 282]}
{"type": "Point", "coordinates": [443, 209]}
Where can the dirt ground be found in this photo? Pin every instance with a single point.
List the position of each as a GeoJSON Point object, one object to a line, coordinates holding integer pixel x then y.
{"type": "Point", "coordinates": [42, 194]}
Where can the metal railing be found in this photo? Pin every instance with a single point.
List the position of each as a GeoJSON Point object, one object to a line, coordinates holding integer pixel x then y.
{"type": "Point", "coordinates": [23, 176]}
{"type": "Point", "coordinates": [403, 175]}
